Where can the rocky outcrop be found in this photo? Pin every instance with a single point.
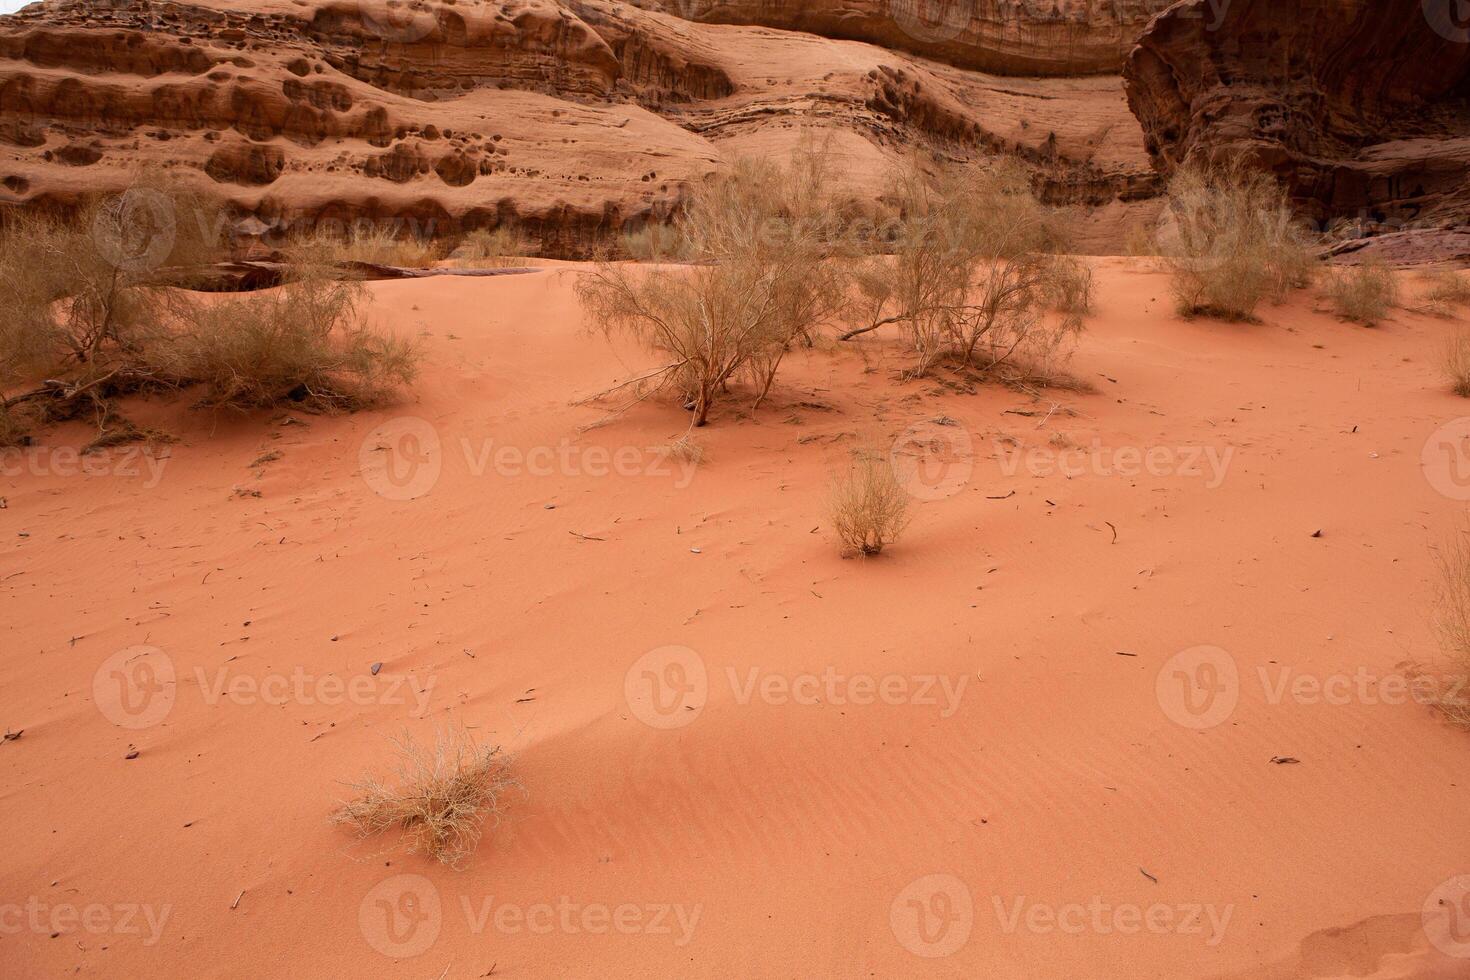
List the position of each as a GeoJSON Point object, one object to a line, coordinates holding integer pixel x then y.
{"type": "Point", "coordinates": [572, 120]}
{"type": "Point", "coordinates": [1361, 106]}
{"type": "Point", "coordinates": [1007, 37]}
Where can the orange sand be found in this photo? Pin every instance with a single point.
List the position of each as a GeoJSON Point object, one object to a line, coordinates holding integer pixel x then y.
{"type": "Point", "coordinates": [1024, 809]}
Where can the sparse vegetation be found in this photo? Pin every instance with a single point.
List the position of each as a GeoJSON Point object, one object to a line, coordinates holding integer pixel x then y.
{"type": "Point", "coordinates": [1363, 293]}
{"type": "Point", "coordinates": [654, 242]}
{"type": "Point", "coordinates": [86, 316]}
{"type": "Point", "coordinates": [1071, 291]}
{"type": "Point", "coordinates": [1233, 242]}
{"type": "Point", "coordinates": [972, 274]}
{"type": "Point", "coordinates": [1455, 360]}
{"type": "Point", "coordinates": [305, 342]}
{"type": "Point", "coordinates": [868, 505]}
{"type": "Point", "coordinates": [373, 244]}
{"type": "Point", "coordinates": [1448, 290]}
{"type": "Point", "coordinates": [762, 283]}
{"type": "Point", "coordinates": [440, 800]}
{"type": "Point", "coordinates": [1452, 622]}
{"type": "Point", "coordinates": [502, 248]}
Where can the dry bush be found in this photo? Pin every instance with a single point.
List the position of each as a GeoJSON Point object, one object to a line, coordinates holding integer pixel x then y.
{"type": "Point", "coordinates": [306, 341]}
{"type": "Point", "coordinates": [14, 428]}
{"type": "Point", "coordinates": [1072, 290]}
{"type": "Point", "coordinates": [1455, 361]}
{"type": "Point", "coordinates": [440, 800]}
{"type": "Point", "coordinates": [1234, 242]}
{"type": "Point", "coordinates": [84, 319]}
{"type": "Point", "coordinates": [655, 242]}
{"type": "Point", "coordinates": [1452, 622]}
{"type": "Point", "coordinates": [1363, 293]}
{"type": "Point", "coordinates": [361, 242]}
{"type": "Point", "coordinates": [501, 248]}
{"type": "Point", "coordinates": [1139, 240]}
{"type": "Point", "coordinates": [762, 283]}
{"type": "Point", "coordinates": [972, 274]}
{"type": "Point", "coordinates": [1447, 291]}
{"type": "Point", "coordinates": [74, 310]}
{"type": "Point", "coordinates": [868, 505]}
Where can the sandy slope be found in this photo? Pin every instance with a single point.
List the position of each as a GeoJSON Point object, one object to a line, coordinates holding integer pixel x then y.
{"type": "Point", "coordinates": [794, 839]}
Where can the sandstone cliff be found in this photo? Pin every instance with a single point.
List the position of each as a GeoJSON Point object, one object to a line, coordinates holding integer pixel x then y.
{"type": "Point", "coordinates": [570, 119]}
{"type": "Point", "coordinates": [1361, 106]}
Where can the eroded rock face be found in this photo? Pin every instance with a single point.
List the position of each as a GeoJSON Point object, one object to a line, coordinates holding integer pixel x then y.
{"type": "Point", "coordinates": [1361, 106]}
{"type": "Point", "coordinates": [574, 120]}
{"type": "Point", "coordinates": [1010, 37]}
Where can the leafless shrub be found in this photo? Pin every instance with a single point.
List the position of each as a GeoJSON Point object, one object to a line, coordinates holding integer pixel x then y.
{"type": "Point", "coordinates": [1452, 622]}
{"type": "Point", "coordinates": [1234, 242]}
{"type": "Point", "coordinates": [501, 248]}
{"type": "Point", "coordinates": [1448, 290]}
{"type": "Point", "coordinates": [868, 506]}
{"type": "Point", "coordinates": [306, 341]}
{"type": "Point", "coordinates": [1363, 293]}
{"type": "Point", "coordinates": [655, 242]}
{"type": "Point", "coordinates": [1072, 289]}
{"type": "Point", "coordinates": [972, 273]}
{"type": "Point", "coordinates": [84, 318]}
{"type": "Point", "coordinates": [362, 242]}
{"type": "Point", "coordinates": [440, 800]}
{"type": "Point", "coordinates": [75, 311]}
{"type": "Point", "coordinates": [760, 285]}
{"type": "Point", "coordinates": [1455, 361]}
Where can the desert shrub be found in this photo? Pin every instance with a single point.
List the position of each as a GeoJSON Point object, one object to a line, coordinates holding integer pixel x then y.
{"type": "Point", "coordinates": [14, 428]}
{"type": "Point", "coordinates": [84, 318]}
{"type": "Point", "coordinates": [68, 311]}
{"type": "Point", "coordinates": [1139, 240]}
{"type": "Point", "coordinates": [306, 341]}
{"type": "Point", "coordinates": [868, 506]}
{"type": "Point", "coordinates": [1452, 623]}
{"type": "Point", "coordinates": [497, 249]}
{"type": "Point", "coordinates": [654, 242]}
{"type": "Point", "coordinates": [440, 800]}
{"type": "Point", "coordinates": [972, 273]}
{"type": "Point", "coordinates": [1072, 289]}
{"type": "Point", "coordinates": [374, 244]}
{"type": "Point", "coordinates": [1447, 291]}
{"type": "Point", "coordinates": [1363, 293]}
{"type": "Point", "coordinates": [761, 283]}
{"type": "Point", "coordinates": [1455, 361]}
{"type": "Point", "coordinates": [1234, 242]}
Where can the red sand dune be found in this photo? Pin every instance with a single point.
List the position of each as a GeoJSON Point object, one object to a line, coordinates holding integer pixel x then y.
{"type": "Point", "coordinates": [983, 754]}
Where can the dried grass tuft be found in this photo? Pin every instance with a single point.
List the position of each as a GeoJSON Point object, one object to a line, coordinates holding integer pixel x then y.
{"type": "Point", "coordinates": [441, 798]}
